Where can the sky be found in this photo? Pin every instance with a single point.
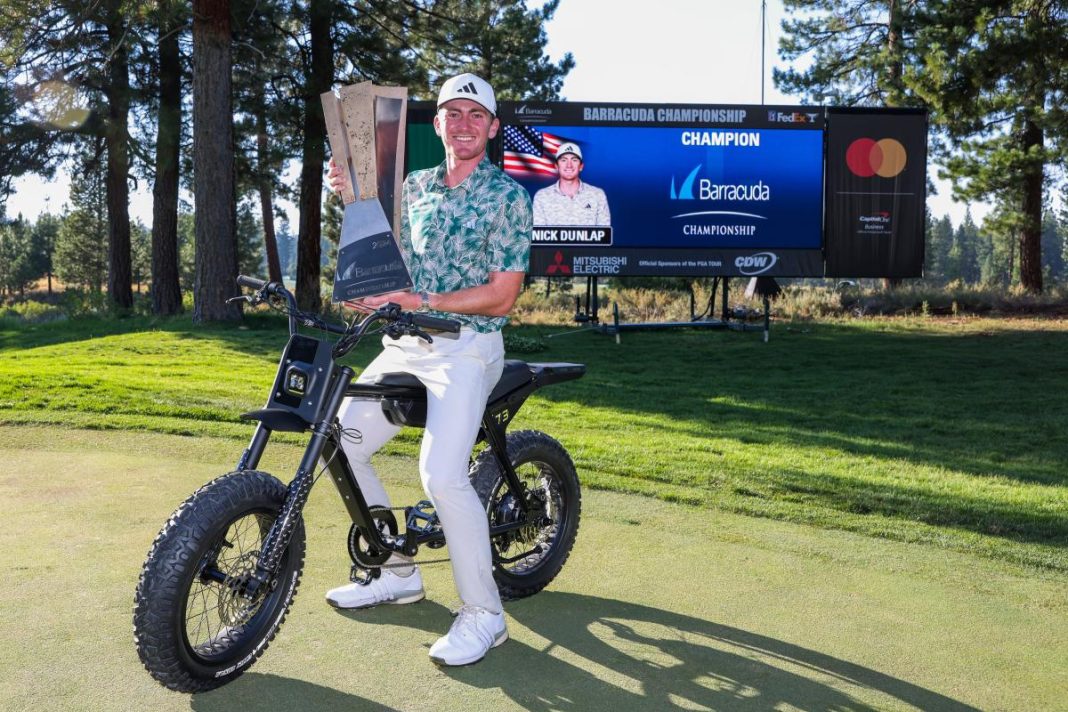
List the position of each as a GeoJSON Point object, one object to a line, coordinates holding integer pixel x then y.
{"type": "Point", "coordinates": [669, 51]}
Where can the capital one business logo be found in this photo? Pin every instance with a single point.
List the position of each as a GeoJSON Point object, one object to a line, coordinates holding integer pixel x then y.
{"type": "Point", "coordinates": [709, 191]}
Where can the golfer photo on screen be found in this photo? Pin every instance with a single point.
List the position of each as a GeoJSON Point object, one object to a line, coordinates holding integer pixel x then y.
{"type": "Point", "coordinates": [570, 201]}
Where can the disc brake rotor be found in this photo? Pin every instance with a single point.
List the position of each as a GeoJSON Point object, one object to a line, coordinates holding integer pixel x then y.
{"type": "Point", "coordinates": [234, 608]}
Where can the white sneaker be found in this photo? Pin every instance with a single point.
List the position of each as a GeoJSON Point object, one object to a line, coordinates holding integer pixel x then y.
{"type": "Point", "coordinates": [387, 588]}
{"type": "Point", "coordinates": [472, 634]}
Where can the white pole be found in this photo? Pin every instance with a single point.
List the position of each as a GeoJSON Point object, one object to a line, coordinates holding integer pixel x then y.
{"type": "Point", "coordinates": [763, 24]}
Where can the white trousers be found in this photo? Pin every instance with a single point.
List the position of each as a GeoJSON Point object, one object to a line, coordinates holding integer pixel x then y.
{"type": "Point", "coordinates": [459, 375]}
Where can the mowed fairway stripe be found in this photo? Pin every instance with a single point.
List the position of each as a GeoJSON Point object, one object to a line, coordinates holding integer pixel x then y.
{"type": "Point", "coordinates": [660, 607]}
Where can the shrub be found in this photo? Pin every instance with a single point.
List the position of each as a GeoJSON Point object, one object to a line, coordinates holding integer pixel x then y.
{"type": "Point", "coordinates": [801, 300]}
{"type": "Point", "coordinates": [34, 312]}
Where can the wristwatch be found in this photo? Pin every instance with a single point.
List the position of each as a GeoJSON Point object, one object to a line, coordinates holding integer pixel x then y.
{"type": "Point", "coordinates": [424, 301]}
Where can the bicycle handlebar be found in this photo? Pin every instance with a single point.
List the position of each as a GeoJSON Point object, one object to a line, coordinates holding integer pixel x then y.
{"type": "Point", "coordinates": [400, 321]}
{"type": "Point", "coordinates": [250, 282]}
{"type": "Point", "coordinates": [425, 321]}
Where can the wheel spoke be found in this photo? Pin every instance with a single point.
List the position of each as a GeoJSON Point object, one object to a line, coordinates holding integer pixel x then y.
{"type": "Point", "coordinates": [537, 538]}
{"type": "Point", "coordinates": [214, 612]}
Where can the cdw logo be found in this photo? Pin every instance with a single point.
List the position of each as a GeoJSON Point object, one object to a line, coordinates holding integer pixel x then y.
{"type": "Point", "coordinates": [756, 264]}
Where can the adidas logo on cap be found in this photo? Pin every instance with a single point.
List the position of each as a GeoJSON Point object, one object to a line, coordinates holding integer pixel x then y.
{"type": "Point", "coordinates": [468, 86]}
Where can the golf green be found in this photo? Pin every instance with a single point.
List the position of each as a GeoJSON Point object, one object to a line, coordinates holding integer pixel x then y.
{"type": "Point", "coordinates": [660, 607]}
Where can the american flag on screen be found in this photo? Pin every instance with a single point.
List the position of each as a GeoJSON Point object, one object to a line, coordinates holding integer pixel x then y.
{"type": "Point", "coordinates": [530, 152]}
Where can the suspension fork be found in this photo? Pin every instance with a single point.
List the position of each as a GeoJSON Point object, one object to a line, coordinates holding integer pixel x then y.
{"type": "Point", "coordinates": [250, 459]}
{"type": "Point", "coordinates": [281, 533]}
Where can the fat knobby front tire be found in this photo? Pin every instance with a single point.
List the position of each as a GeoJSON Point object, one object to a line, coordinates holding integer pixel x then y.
{"type": "Point", "coordinates": [526, 559]}
{"type": "Point", "coordinates": [193, 629]}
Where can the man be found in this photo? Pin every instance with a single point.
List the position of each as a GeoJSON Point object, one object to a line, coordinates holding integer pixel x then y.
{"type": "Point", "coordinates": [465, 234]}
{"type": "Point", "coordinates": [569, 201]}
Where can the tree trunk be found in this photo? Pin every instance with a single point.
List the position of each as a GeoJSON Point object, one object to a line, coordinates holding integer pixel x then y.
{"type": "Point", "coordinates": [274, 267]}
{"type": "Point", "coordinates": [166, 292]}
{"type": "Point", "coordinates": [118, 187]}
{"type": "Point", "coordinates": [213, 164]}
{"type": "Point", "coordinates": [1031, 232]}
{"type": "Point", "coordinates": [893, 46]}
{"type": "Point", "coordinates": [313, 155]}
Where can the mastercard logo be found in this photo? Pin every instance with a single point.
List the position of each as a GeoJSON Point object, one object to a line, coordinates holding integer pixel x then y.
{"type": "Point", "coordinates": [867, 157]}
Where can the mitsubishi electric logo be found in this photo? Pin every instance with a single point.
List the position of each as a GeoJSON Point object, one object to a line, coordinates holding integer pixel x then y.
{"type": "Point", "coordinates": [558, 265]}
{"type": "Point", "coordinates": [468, 88]}
{"type": "Point", "coordinates": [759, 263]}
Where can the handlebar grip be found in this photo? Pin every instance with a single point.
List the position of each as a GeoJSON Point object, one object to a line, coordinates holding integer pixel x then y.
{"type": "Point", "coordinates": [333, 328]}
{"type": "Point", "coordinates": [424, 321]}
{"type": "Point", "coordinates": [250, 282]}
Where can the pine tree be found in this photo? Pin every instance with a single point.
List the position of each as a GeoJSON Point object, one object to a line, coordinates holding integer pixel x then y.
{"type": "Point", "coordinates": [266, 134]}
{"type": "Point", "coordinates": [213, 164]}
{"type": "Point", "coordinates": [171, 18]}
{"type": "Point", "coordinates": [45, 232]}
{"type": "Point", "coordinates": [73, 58]}
{"type": "Point", "coordinates": [1000, 224]}
{"type": "Point", "coordinates": [1062, 228]}
{"type": "Point", "coordinates": [186, 249]}
{"type": "Point", "coordinates": [1052, 249]}
{"type": "Point", "coordinates": [81, 245]}
{"type": "Point", "coordinates": [333, 215]}
{"type": "Point", "coordinates": [287, 250]}
{"type": "Point", "coordinates": [18, 261]}
{"type": "Point", "coordinates": [965, 243]}
{"type": "Point", "coordinates": [939, 245]}
{"type": "Point", "coordinates": [858, 49]}
{"type": "Point", "coordinates": [500, 40]}
{"type": "Point", "coordinates": [993, 74]}
{"type": "Point", "coordinates": [984, 251]}
{"type": "Point", "coordinates": [250, 242]}
{"type": "Point", "coordinates": [140, 254]}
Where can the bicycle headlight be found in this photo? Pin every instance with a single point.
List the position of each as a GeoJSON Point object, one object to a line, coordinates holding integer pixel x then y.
{"type": "Point", "coordinates": [296, 383]}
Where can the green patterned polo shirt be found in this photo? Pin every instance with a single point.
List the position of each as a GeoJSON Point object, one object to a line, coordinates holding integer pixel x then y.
{"type": "Point", "coordinates": [452, 238]}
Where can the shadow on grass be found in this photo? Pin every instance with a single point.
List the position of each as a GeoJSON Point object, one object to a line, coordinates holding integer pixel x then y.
{"type": "Point", "coordinates": [605, 654]}
{"type": "Point", "coordinates": [980, 404]}
{"type": "Point", "coordinates": [983, 404]}
{"type": "Point", "coordinates": [660, 660]}
{"type": "Point", "coordinates": [255, 334]}
{"type": "Point", "coordinates": [253, 691]}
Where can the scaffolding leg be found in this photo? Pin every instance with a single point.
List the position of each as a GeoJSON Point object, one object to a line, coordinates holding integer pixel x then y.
{"type": "Point", "coordinates": [767, 318]}
{"type": "Point", "coordinates": [593, 315]}
{"type": "Point", "coordinates": [724, 313]}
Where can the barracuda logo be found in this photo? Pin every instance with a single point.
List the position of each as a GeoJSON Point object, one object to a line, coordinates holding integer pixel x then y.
{"type": "Point", "coordinates": [686, 192]}
{"type": "Point", "coordinates": [709, 191]}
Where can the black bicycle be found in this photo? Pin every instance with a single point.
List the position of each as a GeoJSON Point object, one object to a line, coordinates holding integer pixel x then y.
{"type": "Point", "coordinates": [223, 571]}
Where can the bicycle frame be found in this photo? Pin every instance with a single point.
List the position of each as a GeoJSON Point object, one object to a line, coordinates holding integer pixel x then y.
{"type": "Point", "coordinates": [323, 394]}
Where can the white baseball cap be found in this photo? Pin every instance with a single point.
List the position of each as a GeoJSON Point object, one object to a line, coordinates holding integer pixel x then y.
{"type": "Point", "coordinates": [468, 86]}
{"type": "Point", "coordinates": [568, 148]}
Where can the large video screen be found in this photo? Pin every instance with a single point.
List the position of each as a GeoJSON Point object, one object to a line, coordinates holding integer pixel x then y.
{"type": "Point", "coordinates": [665, 190]}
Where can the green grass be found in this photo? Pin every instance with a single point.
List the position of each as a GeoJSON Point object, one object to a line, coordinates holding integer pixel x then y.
{"type": "Point", "coordinates": [950, 432]}
{"type": "Point", "coordinates": [660, 607]}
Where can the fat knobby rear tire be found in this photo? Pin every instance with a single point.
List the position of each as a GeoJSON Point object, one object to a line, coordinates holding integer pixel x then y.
{"type": "Point", "coordinates": [544, 465]}
{"type": "Point", "coordinates": [173, 587]}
